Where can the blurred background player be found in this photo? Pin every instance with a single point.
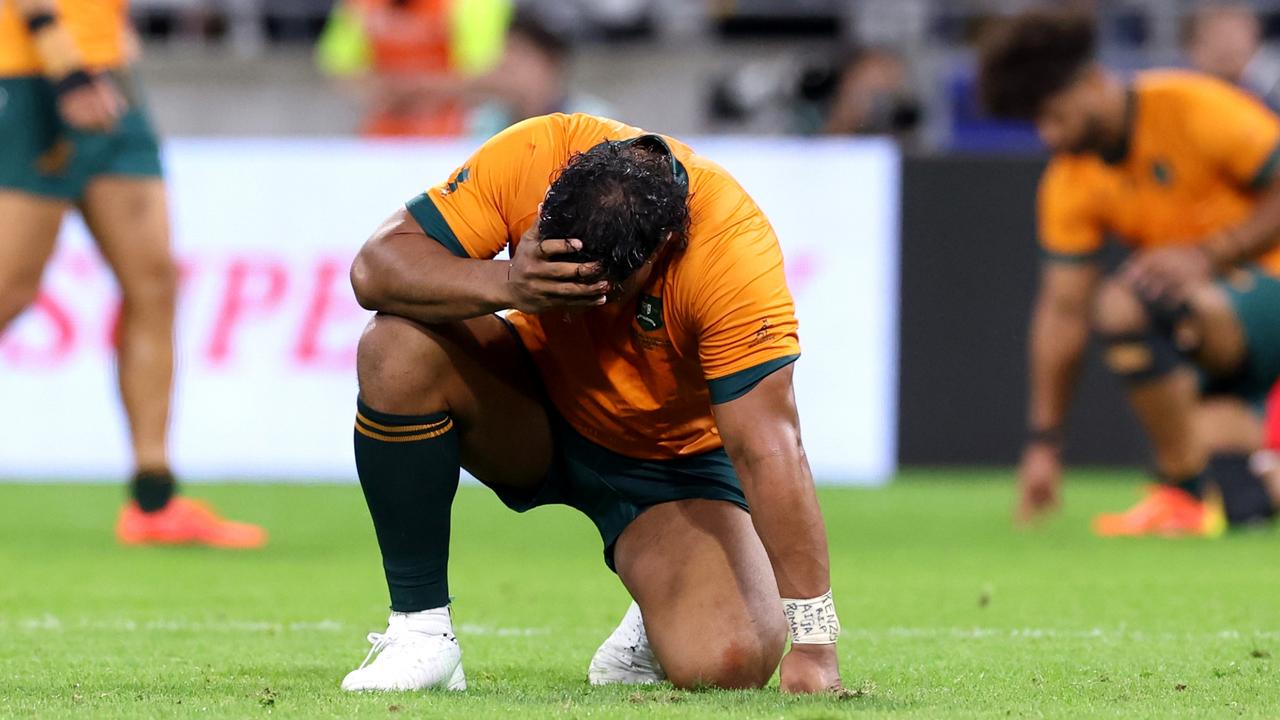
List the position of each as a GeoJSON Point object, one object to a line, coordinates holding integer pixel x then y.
{"type": "Point", "coordinates": [73, 133]}
{"type": "Point", "coordinates": [1181, 167]}
{"type": "Point", "coordinates": [531, 78]}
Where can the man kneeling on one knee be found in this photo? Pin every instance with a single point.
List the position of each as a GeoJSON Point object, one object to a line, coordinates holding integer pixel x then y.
{"type": "Point", "coordinates": [643, 375]}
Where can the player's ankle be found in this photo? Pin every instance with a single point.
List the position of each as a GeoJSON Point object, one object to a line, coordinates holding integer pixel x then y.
{"type": "Point", "coordinates": [433, 621]}
{"type": "Point", "coordinates": [152, 488]}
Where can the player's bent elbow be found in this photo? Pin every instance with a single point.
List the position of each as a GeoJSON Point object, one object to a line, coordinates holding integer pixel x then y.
{"type": "Point", "coordinates": [364, 283]}
{"type": "Point", "coordinates": [783, 444]}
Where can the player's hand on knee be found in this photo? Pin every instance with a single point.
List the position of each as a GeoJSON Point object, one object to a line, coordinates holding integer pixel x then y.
{"type": "Point", "coordinates": [811, 669]}
{"type": "Point", "coordinates": [1039, 482]}
{"type": "Point", "coordinates": [545, 274]}
{"type": "Point", "coordinates": [93, 107]}
{"type": "Point", "coordinates": [1169, 273]}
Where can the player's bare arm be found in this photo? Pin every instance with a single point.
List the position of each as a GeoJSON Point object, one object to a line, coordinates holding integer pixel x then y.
{"type": "Point", "coordinates": [761, 432]}
{"type": "Point", "coordinates": [86, 100]}
{"type": "Point", "coordinates": [1173, 272]}
{"type": "Point", "coordinates": [401, 271]}
{"type": "Point", "coordinates": [1058, 337]}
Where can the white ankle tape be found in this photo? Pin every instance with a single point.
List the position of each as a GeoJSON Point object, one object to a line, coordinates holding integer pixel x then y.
{"type": "Point", "coordinates": [813, 621]}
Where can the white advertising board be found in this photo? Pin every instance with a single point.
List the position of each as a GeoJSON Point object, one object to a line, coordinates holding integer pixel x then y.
{"type": "Point", "coordinates": [265, 230]}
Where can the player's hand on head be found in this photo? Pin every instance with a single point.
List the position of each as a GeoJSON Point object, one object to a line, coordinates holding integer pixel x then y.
{"type": "Point", "coordinates": [1039, 482]}
{"type": "Point", "coordinates": [811, 669]}
{"type": "Point", "coordinates": [94, 107]}
{"type": "Point", "coordinates": [1168, 274]}
{"type": "Point", "coordinates": [543, 276]}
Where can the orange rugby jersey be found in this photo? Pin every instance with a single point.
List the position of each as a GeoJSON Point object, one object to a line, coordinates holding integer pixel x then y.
{"type": "Point", "coordinates": [96, 26]}
{"type": "Point", "coordinates": [1199, 151]}
{"type": "Point", "coordinates": [638, 378]}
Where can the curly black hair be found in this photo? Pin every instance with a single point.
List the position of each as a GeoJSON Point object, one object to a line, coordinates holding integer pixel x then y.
{"type": "Point", "coordinates": [620, 198]}
{"type": "Point", "coordinates": [1029, 58]}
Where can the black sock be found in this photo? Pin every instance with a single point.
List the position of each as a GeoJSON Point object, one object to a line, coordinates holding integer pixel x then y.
{"type": "Point", "coordinates": [152, 489]}
{"type": "Point", "coordinates": [408, 467]}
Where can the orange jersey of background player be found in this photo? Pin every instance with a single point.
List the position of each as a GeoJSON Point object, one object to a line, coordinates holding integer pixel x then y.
{"type": "Point", "coordinates": [98, 28]}
{"type": "Point", "coordinates": [639, 377]}
{"type": "Point", "coordinates": [1197, 153]}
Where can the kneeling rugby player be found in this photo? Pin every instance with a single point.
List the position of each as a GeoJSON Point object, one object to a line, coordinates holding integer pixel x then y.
{"type": "Point", "coordinates": [642, 376]}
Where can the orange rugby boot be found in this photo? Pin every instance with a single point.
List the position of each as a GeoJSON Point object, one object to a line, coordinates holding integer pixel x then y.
{"type": "Point", "coordinates": [1166, 511]}
{"type": "Point", "coordinates": [184, 521]}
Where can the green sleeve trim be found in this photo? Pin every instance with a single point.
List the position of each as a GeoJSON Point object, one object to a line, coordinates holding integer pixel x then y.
{"type": "Point", "coordinates": [1267, 172]}
{"type": "Point", "coordinates": [1070, 258]}
{"type": "Point", "coordinates": [433, 224]}
{"type": "Point", "coordinates": [732, 387]}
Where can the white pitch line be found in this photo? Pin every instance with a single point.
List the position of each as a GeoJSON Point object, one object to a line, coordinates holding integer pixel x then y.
{"type": "Point", "coordinates": [473, 629]}
{"type": "Point", "coordinates": [53, 623]}
{"type": "Point", "coordinates": [1034, 633]}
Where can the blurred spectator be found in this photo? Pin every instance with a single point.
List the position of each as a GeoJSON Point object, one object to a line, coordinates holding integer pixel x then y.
{"type": "Point", "coordinates": [400, 44]}
{"type": "Point", "coordinates": [872, 97]}
{"type": "Point", "coordinates": [530, 79]}
{"type": "Point", "coordinates": [1225, 40]}
{"type": "Point", "coordinates": [864, 92]}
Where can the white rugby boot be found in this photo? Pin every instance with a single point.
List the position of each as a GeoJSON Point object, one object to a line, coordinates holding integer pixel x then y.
{"type": "Point", "coordinates": [625, 657]}
{"type": "Point", "coordinates": [418, 651]}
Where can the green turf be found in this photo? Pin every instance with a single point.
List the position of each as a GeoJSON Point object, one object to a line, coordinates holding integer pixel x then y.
{"type": "Point", "coordinates": [948, 612]}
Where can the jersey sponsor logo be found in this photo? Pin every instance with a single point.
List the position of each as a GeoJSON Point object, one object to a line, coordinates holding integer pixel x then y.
{"type": "Point", "coordinates": [457, 180]}
{"type": "Point", "coordinates": [649, 313]}
{"type": "Point", "coordinates": [1162, 172]}
{"type": "Point", "coordinates": [648, 322]}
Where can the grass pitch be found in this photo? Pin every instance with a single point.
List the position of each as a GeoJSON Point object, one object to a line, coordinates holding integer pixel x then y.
{"type": "Point", "coordinates": [948, 612]}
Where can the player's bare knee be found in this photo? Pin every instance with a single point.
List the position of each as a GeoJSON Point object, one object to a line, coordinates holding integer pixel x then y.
{"type": "Point", "coordinates": [1118, 310]}
{"type": "Point", "coordinates": [741, 661]}
{"type": "Point", "coordinates": [153, 288]}
{"type": "Point", "coordinates": [401, 366]}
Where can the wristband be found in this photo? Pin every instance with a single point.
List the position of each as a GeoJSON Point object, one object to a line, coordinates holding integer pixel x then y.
{"type": "Point", "coordinates": [1051, 436]}
{"type": "Point", "coordinates": [813, 621]}
{"type": "Point", "coordinates": [39, 21]}
{"type": "Point", "coordinates": [73, 80]}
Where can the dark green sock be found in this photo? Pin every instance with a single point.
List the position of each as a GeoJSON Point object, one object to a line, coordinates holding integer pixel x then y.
{"type": "Point", "coordinates": [152, 489]}
{"type": "Point", "coordinates": [408, 467]}
{"type": "Point", "coordinates": [1193, 484]}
